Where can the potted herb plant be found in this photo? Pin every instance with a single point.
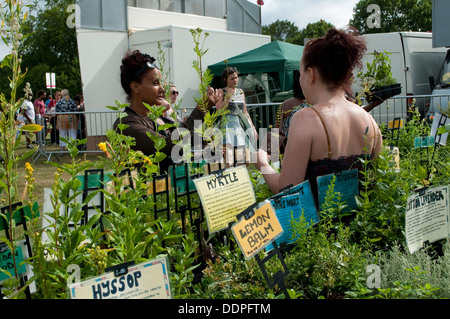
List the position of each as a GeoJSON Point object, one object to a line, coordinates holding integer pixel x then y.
{"type": "Point", "coordinates": [378, 81]}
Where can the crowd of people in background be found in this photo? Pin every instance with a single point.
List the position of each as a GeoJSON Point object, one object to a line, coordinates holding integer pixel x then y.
{"type": "Point", "coordinates": [46, 111]}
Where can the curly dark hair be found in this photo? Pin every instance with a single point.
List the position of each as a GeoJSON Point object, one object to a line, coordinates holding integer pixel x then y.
{"type": "Point", "coordinates": [335, 56]}
{"type": "Point", "coordinates": [227, 71]}
{"type": "Point", "coordinates": [132, 63]}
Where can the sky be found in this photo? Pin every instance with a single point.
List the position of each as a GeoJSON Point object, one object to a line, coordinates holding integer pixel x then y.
{"type": "Point", "coordinates": [303, 12]}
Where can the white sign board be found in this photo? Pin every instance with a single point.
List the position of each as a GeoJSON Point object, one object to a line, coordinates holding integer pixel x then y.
{"type": "Point", "coordinates": [426, 219]}
{"type": "Point", "coordinates": [148, 280]}
{"type": "Point", "coordinates": [50, 80]}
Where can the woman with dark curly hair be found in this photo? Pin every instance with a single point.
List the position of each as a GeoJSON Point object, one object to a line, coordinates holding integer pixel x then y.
{"type": "Point", "coordinates": [141, 81]}
{"type": "Point", "coordinates": [333, 133]}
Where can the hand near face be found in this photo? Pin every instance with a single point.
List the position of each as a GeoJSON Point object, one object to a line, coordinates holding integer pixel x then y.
{"type": "Point", "coordinates": [213, 96]}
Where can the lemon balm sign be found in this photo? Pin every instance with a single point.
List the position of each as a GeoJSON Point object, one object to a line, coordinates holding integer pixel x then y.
{"type": "Point", "coordinates": [257, 229]}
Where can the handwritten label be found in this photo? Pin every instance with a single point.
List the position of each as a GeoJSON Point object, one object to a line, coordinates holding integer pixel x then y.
{"type": "Point", "coordinates": [346, 183]}
{"type": "Point", "coordinates": [224, 196]}
{"type": "Point", "coordinates": [290, 207]}
{"type": "Point", "coordinates": [258, 231]}
{"type": "Point", "coordinates": [423, 141]}
{"type": "Point", "coordinates": [148, 280]}
{"type": "Point", "coordinates": [395, 159]}
{"type": "Point", "coordinates": [396, 124]}
{"type": "Point", "coordinates": [7, 261]}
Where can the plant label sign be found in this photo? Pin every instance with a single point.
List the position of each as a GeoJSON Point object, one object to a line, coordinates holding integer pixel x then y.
{"type": "Point", "coordinates": [224, 195]}
{"type": "Point", "coordinates": [423, 141]}
{"type": "Point", "coordinates": [439, 120]}
{"type": "Point", "coordinates": [427, 215]}
{"type": "Point", "coordinates": [396, 124]}
{"type": "Point", "coordinates": [394, 152]}
{"type": "Point", "coordinates": [148, 280]}
{"type": "Point", "coordinates": [7, 261]}
{"type": "Point", "coordinates": [346, 183]}
{"type": "Point", "coordinates": [294, 203]}
{"type": "Point", "coordinates": [258, 231]}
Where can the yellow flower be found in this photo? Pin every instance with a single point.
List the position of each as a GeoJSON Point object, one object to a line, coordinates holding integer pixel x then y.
{"type": "Point", "coordinates": [102, 146]}
{"type": "Point", "coordinates": [28, 167]}
{"type": "Point", "coordinates": [147, 160]}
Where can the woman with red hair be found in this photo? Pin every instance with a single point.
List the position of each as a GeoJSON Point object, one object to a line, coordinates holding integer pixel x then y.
{"type": "Point", "coordinates": [333, 134]}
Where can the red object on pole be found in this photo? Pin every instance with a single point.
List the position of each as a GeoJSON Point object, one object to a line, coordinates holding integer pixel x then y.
{"type": "Point", "coordinates": [260, 2]}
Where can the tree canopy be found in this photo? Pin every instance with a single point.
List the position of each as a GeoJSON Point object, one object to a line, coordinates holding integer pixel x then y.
{"type": "Point", "coordinates": [394, 15]}
{"type": "Point", "coordinates": [289, 32]}
{"type": "Point", "coordinates": [51, 46]}
{"type": "Point", "coordinates": [281, 30]}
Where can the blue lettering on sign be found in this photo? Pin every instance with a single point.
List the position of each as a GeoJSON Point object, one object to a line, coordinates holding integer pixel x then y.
{"type": "Point", "coordinates": [346, 183]}
{"type": "Point", "coordinates": [116, 285]}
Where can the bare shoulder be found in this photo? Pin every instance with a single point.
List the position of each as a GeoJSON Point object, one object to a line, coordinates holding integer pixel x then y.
{"type": "Point", "coordinates": [303, 122]}
{"type": "Point", "coordinates": [304, 115]}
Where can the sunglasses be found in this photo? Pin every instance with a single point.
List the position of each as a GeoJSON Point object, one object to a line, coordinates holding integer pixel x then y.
{"type": "Point", "coordinates": [146, 66]}
{"type": "Point", "coordinates": [175, 92]}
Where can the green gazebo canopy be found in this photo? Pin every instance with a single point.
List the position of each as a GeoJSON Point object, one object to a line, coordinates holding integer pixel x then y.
{"type": "Point", "coordinates": [275, 57]}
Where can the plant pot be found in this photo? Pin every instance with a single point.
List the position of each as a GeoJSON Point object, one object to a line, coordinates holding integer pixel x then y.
{"type": "Point", "coordinates": [384, 92]}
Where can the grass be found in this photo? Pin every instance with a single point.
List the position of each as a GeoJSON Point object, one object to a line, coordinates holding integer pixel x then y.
{"type": "Point", "coordinates": [44, 172]}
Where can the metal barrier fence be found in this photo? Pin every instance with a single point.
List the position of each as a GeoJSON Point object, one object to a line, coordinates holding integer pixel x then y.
{"type": "Point", "coordinates": [93, 125]}
{"type": "Point", "coordinates": [89, 124]}
{"type": "Point", "coordinates": [264, 115]}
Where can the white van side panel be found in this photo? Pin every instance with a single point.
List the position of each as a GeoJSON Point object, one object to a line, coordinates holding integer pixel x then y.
{"type": "Point", "coordinates": [413, 61]}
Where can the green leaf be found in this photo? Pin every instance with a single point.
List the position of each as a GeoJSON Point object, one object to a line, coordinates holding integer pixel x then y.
{"type": "Point", "coordinates": [443, 129]}
{"type": "Point", "coordinates": [34, 128]}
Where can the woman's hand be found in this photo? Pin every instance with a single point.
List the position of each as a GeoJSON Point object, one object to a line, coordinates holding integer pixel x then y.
{"type": "Point", "coordinates": [213, 96]}
{"type": "Point", "coordinates": [220, 101]}
{"type": "Point", "coordinates": [260, 159]}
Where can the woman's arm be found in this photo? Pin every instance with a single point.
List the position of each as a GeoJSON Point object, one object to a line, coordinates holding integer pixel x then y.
{"type": "Point", "coordinates": [296, 156]}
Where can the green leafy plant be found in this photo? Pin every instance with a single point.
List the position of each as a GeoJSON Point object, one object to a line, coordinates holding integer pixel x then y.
{"type": "Point", "coordinates": [12, 18]}
{"type": "Point", "coordinates": [378, 72]}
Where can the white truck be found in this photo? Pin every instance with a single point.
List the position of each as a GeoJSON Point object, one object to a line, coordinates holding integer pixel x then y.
{"type": "Point", "coordinates": [413, 62]}
{"type": "Point", "coordinates": [441, 39]}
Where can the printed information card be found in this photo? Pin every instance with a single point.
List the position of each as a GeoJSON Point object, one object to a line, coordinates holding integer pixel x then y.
{"type": "Point", "coordinates": [427, 217]}
{"type": "Point", "coordinates": [224, 195]}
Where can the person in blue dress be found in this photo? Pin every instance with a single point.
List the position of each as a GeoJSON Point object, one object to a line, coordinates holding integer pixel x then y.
{"type": "Point", "coordinates": [236, 125]}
